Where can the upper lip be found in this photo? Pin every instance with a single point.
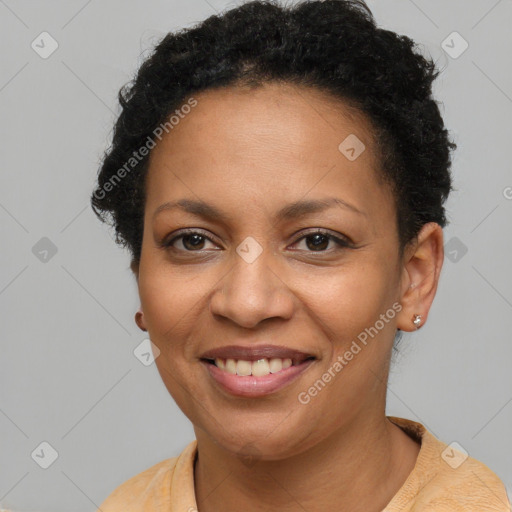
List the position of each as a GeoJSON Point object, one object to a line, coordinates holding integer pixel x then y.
{"type": "Point", "coordinates": [253, 353]}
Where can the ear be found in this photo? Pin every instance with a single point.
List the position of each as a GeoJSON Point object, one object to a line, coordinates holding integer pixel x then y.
{"type": "Point", "coordinates": [139, 320]}
{"type": "Point", "coordinates": [422, 263]}
{"type": "Point", "coordinates": [139, 316]}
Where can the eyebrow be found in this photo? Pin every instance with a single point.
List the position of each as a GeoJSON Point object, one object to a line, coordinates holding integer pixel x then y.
{"type": "Point", "coordinates": [293, 210]}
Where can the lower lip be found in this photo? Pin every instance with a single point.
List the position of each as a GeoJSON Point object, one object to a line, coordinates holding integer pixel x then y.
{"type": "Point", "coordinates": [249, 386]}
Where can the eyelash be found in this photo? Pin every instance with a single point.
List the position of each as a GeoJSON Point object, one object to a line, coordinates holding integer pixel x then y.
{"type": "Point", "coordinates": [341, 242]}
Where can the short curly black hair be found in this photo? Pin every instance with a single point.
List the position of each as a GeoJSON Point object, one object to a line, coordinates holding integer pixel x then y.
{"type": "Point", "coordinates": [334, 46]}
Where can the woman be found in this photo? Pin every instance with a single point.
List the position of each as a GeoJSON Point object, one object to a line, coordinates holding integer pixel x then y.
{"type": "Point", "coordinates": [279, 176]}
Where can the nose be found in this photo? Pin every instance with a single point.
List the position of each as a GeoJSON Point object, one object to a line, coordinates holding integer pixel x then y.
{"type": "Point", "coordinates": [252, 292]}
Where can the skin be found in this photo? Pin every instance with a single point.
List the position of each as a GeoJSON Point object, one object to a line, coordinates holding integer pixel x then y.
{"type": "Point", "coordinates": [249, 153]}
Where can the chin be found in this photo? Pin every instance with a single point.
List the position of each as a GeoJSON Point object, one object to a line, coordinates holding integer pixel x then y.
{"type": "Point", "coordinates": [261, 440]}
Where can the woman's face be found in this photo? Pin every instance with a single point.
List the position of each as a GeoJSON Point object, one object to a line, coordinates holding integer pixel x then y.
{"type": "Point", "coordinates": [260, 275]}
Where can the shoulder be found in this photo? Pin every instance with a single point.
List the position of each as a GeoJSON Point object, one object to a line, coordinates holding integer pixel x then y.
{"type": "Point", "coordinates": [446, 479]}
{"type": "Point", "coordinates": [133, 494]}
{"type": "Point", "coordinates": [470, 486]}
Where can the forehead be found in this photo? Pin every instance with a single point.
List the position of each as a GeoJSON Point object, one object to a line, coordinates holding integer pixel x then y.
{"type": "Point", "coordinates": [274, 142]}
{"type": "Point", "coordinates": [276, 111]}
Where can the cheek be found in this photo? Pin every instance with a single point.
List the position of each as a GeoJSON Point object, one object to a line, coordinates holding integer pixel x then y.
{"type": "Point", "coordinates": [348, 306]}
{"type": "Point", "coordinates": [346, 300]}
{"type": "Point", "coordinates": [185, 391]}
{"type": "Point", "coordinates": [170, 298]}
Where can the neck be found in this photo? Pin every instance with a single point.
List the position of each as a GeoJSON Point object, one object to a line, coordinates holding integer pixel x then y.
{"type": "Point", "coordinates": [359, 468]}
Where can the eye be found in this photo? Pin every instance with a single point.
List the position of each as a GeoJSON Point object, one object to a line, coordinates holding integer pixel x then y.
{"type": "Point", "coordinates": [315, 241]}
{"type": "Point", "coordinates": [319, 240]}
{"type": "Point", "coordinates": [191, 241]}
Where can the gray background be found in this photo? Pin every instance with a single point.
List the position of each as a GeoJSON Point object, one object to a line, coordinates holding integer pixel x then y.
{"type": "Point", "coordinates": [68, 374]}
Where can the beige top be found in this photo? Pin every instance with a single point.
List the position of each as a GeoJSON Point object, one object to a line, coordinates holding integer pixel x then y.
{"type": "Point", "coordinates": [443, 479]}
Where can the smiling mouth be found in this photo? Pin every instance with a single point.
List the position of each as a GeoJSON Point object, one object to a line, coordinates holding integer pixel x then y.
{"type": "Point", "coordinates": [257, 368]}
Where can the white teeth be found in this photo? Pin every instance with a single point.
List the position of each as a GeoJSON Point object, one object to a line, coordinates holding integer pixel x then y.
{"type": "Point", "coordinates": [276, 365]}
{"type": "Point", "coordinates": [243, 367]}
{"type": "Point", "coordinates": [230, 366]}
{"type": "Point", "coordinates": [258, 368]}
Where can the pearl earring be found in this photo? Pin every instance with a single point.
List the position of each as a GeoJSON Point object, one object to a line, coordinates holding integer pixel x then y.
{"type": "Point", "coordinates": [417, 321]}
